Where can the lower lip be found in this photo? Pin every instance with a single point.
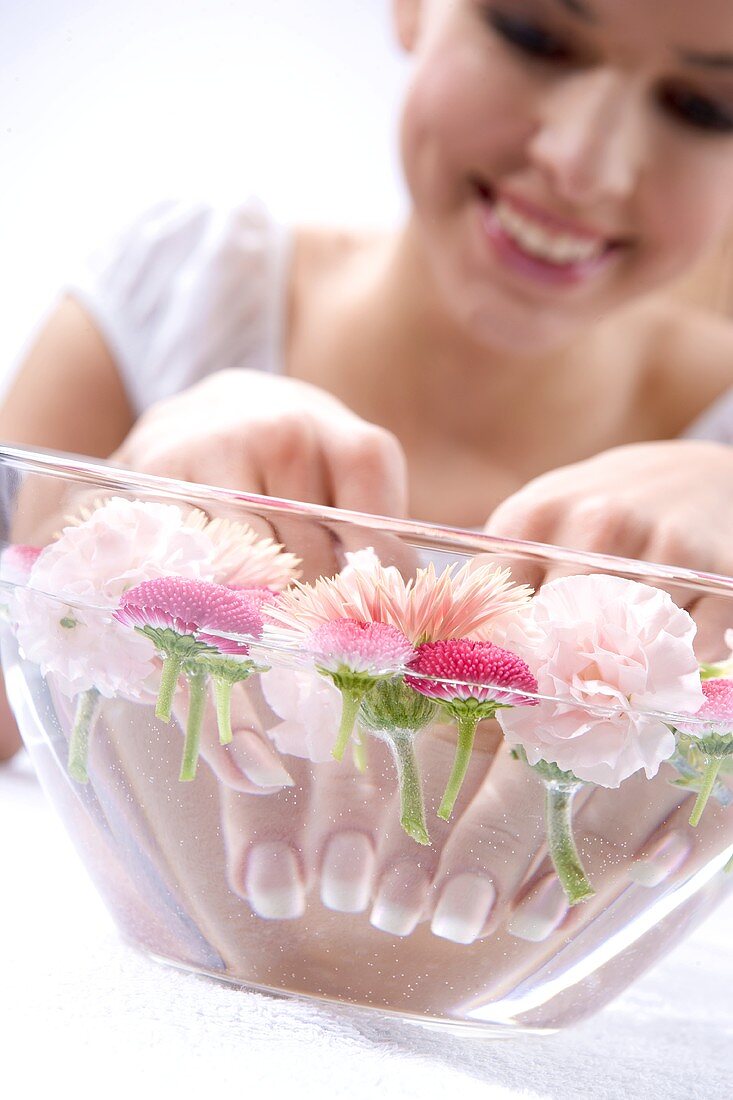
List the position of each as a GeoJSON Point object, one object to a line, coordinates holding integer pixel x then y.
{"type": "Point", "coordinates": [532, 267]}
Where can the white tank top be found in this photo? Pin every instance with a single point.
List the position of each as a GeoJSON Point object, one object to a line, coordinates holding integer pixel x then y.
{"type": "Point", "coordinates": [190, 288]}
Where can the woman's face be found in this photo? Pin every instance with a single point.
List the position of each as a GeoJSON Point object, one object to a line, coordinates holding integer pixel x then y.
{"type": "Point", "coordinates": [564, 156]}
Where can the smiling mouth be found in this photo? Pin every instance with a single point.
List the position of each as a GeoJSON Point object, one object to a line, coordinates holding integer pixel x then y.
{"type": "Point", "coordinates": [545, 239]}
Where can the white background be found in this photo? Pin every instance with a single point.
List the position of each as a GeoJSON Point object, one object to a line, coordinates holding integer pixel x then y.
{"type": "Point", "coordinates": [107, 105]}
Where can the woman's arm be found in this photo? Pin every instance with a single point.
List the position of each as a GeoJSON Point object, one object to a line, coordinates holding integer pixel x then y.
{"type": "Point", "coordinates": [67, 396]}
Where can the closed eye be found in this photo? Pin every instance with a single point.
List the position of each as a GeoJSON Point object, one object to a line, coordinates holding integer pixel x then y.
{"type": "Point", "coordinates": [529, 38]}
{"type": "Point", "coordinates": [696, 110]}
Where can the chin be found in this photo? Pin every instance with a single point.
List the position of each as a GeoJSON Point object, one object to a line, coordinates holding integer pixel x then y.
{"type": "Point", "coordinates": [516, 328]}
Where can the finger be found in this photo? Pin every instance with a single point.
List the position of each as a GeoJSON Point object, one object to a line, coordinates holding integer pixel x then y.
{"type": "Point", "coordinates": [492, 847]}
{"type": "Point", "coordinates": [263, 842]}
{"type": "Point", "coordinates": [248, 763]}
{"type": "Point", "coordinates": [405, 869]}
{"type": "Point", "coordinates": [295, 470]}
{"type": "Point", "coordinates": [677, 850]}
{"type": "Point", "coordinates": [713, 616]}
{"type": "Point", "coordinates": [609, 829]}
{"type": "Point", "coordinates": [340, 838]}
{"type": "Point", "coordinates": [368, 470]}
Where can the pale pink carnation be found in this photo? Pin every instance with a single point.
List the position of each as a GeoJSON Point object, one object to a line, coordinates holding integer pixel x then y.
{"type": "Point", "coordinates": [309, 705]}
{"type": "Point", "coordinates": [80, 578]}
{"type": "Point", "coordinates": [599, 641]}
{"type": "Point", "coordinates": [81, 648]}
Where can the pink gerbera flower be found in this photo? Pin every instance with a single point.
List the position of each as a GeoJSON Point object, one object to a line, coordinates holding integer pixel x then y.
{"type": "Point", "coordinates": [471, 680]}
{"type": "Point", "coordinates": [424, 608]}
{"type": "Point", "coordinates": [716, 741]}
{"type": "Point", "coordinates": [242, 558]}
{"type": "Point", "coordinates": [189, 622]}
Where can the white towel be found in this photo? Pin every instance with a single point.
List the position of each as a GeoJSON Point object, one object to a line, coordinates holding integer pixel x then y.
{"type": "Point", "coordinates": [80, 1007]}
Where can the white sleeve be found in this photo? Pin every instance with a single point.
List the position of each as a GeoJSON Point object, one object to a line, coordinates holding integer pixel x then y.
{"type": "Point", "coordinates": [715, 423]}
{"type": "Point", "coordinates": [185, 290]}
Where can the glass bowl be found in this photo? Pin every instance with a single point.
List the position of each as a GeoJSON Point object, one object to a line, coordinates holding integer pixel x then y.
{"type": "Point", "coordinates": [499, 844]}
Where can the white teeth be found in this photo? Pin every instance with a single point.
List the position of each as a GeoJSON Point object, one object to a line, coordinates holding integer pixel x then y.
{"type": "Point", "coordinates": [558, 248]}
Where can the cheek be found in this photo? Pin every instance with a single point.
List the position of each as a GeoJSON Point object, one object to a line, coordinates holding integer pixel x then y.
{"type": "Point", "coordinates": [689, 208]}
{"type": "Point", "coordinates": [466, 110]}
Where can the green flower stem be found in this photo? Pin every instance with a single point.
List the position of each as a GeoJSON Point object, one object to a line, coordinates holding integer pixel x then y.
{"type": "Point", "coordinates": [467, 724]}
{"type": "Point", "coordinates": [712, 767]}
{"type": "Point", "coordinates": [196, 706]}
{"type": "Point", "coordinates": [563, 853]}
{"type": "Point", "coordinates": [223, 699]}
{"type": "Point", "coordinates": [168, 682]}
{"type": "Point", "coordinates": [352, 697]}
{"type": "Point", "coordinates": [86, 712]}
{"type": "Point", "coordinates": [412, 807]}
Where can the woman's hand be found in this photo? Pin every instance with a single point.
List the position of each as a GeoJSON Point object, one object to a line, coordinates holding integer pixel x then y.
{"type": "Point", "coordinates": [667, 502]}
{"type": "Point", "coordinates": [278, 437]}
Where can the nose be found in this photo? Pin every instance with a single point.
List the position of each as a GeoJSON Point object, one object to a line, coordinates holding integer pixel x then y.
{"type": "Point", "coordinates": [589, 140]}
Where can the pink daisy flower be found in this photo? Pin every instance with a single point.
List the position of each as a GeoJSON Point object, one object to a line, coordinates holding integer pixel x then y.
{"type": "Point", "coordinates": [471, 680]}
{"type": "Point", "coordinates": [716, 742]}
{"type": "Point", "coordinates": [189, 622]}
{"type": "Point", "coordinates": [355, 655]}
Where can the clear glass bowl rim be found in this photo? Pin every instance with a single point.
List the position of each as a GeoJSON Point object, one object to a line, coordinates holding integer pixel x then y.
{"type": "Point", "coordinates": [61, 464]}
{"type": "Point", "coordinates": [106, 475]}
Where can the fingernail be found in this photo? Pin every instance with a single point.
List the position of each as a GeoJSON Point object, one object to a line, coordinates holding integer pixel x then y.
{"type": "Point", "coordinates": [272, 881]}
{"type": "Point", "coordinates": [662, 858]}
{"type": "Point", "coordinates": [346, 874]}
{"type": "Point", "coordinates": [255, 761]}
{"type": "Point", "coordinates": [400, 901]}
{"type": "Point", "coordinates": [540, 912]}
{"type": "Point", "coordinates": [464, 904]}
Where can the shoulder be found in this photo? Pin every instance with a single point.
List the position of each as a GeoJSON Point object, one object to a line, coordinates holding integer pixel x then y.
{"type": "Point", "coordinates": [184, 287]}
{"type": "Point", "coordinates": [688, 353]}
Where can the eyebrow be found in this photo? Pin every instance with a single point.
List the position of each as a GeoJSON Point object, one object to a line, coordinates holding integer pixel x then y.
{"type": "Point", "coordinates": [700, 60]}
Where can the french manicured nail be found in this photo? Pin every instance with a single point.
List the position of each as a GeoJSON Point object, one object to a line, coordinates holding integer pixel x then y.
{"type": "Point", "coordinates": [464, 904]}
{"type": "Point", "coordinates": [346, 873]}
{"type": "Point", "coordinates": [255, 761]}
{"type": "Point", "coordinates": [662, 859]}
{"type": "Point", "coordinates": [400, 901]}
{"type": "Point", "coordinates": [540, 912]}
{"type": "Point", "coordinates": [273, 883]}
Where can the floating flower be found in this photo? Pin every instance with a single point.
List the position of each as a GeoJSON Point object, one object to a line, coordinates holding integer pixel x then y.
{"type": "Point", "coordinates": [715, 741]}
{"type": "Point", "coordinates": [424, 608]}
{"type": "Point", "coordinates": [63, 615]}
{"type": "Point", "coordinates": [355, 655]}
{"type": "Point", "coordinates": [309, 706]}
{"type": "Point", "coordinates": [188, 622]}
{"type": "Point", "coordinates": [606, 651]}
{"type": "Point", "coordinates": [471, 680]}
{"type": "Point", "coordinates": [16, 562]}
{"type": "Point", "coordinates": [242, 558]}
